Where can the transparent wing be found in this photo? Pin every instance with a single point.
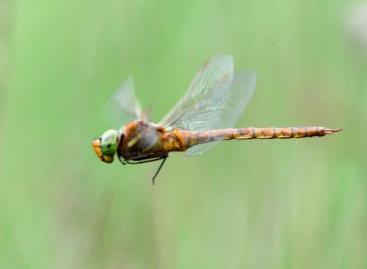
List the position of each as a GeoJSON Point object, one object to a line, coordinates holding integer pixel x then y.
{"type": "Point", "coordinates": [123, 106]}
{"type": "Point", "coordinates": [215, 99]}
{"type": "Point", "coordinates": [204, 98]}
{"type": "Point", "coordinates": [241, 92]}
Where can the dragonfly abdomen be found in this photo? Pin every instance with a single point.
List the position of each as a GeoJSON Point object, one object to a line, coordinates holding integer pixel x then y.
{"type": "Point", "coordinates": [287, 132]}
{"type": "Point", "coordinates": [201, 137]}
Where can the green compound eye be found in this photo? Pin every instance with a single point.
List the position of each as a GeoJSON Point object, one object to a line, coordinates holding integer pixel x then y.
{"type": "Point", "coordinates": [109, 142]}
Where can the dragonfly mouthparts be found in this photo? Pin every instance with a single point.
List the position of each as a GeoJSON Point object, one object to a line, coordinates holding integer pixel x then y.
{"type": "Point", "coordinates": [96, 144]}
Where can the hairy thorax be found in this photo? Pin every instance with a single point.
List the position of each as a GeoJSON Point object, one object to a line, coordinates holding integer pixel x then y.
{"type": "Point", "coordinates": [141, 139]}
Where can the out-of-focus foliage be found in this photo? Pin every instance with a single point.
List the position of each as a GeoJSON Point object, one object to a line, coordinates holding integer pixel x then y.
{"type": "Point", "coordinates": [251, 204]}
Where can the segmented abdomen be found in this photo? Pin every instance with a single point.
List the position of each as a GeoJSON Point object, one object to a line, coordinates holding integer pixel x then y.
{"type": "Point", "coordinates": [191, 138]}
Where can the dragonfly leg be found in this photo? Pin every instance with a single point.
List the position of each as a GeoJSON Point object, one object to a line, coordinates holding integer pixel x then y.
{"type": "Point", "coordinates": [122, 160]}
{"type": "Point", "coordinates": [159, 168]}
{"type": "Point", "coordinates": [147, 159]}
{"type": "Point", "coordinates": [144, 158]}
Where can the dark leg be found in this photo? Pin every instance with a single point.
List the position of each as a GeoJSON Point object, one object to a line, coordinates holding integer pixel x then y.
{"type": "Point", "coordinates": [121, 160]}
{"type": "Point", "coordinates": [147, 159]}
{"type": "Point", "coordinates": [159, 169]}
{"type": "Point", "coordinates": [144, 161]}
{"type": "Point", "coordinates": [144, 158]}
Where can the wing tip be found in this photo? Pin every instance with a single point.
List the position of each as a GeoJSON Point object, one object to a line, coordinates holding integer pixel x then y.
{"type": "Point", "coordinates": [221, 57]}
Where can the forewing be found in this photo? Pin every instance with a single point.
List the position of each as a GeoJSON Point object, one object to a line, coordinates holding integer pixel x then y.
{"type": "Point", "coordinates": [215, 99]}
{"type": "Point", "coordinates": [123, 105]}
{"type": "Point", "coordinates": [200, 108]}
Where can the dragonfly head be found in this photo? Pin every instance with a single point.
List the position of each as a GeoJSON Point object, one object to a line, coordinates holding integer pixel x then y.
{"type": "Point", "coordinates": [106, 146]}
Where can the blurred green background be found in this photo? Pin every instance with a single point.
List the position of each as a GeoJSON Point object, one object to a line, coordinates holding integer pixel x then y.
{"type": "Point", "coordinates": [247, 204]}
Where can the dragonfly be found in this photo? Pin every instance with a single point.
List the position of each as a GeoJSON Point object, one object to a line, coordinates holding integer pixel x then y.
{"type": "Point", "coordinates": [204, 116]}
